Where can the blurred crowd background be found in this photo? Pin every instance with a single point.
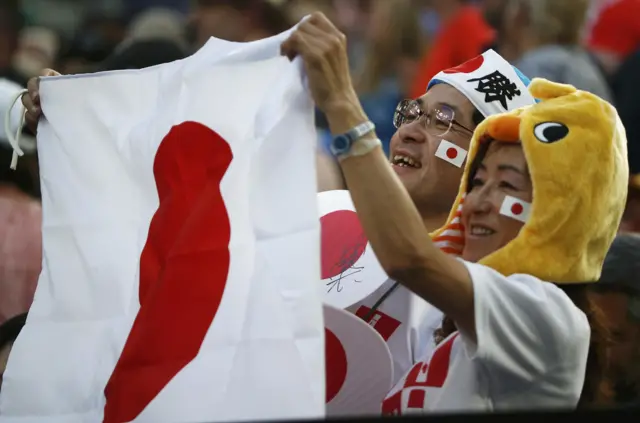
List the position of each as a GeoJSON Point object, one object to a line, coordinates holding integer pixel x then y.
{"type": "Point", "coordinates": [395, 47]}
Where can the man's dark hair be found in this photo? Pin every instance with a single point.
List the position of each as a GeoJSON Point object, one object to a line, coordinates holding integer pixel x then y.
{"type": "Point", "coordinates": [10, 329]}
{"type": "Point", "coordinates": [477, 117]}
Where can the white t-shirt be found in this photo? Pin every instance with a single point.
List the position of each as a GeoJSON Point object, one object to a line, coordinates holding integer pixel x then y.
{"type": "Point", "coordinates": [405, 321]}
{"type": "Point", "coordinates": [531, 352]}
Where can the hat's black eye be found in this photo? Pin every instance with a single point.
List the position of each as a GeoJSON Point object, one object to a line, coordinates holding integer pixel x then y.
{"type": "Point", "coordinates": [549, 132]}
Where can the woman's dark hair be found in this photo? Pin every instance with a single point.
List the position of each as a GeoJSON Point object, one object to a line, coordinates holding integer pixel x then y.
{"type": "Point", "coordinates": [477, 162]}
{"type": "Point", "coordinates": [598, 387]}
{"type": "Point", "coordinates": [10, 329]}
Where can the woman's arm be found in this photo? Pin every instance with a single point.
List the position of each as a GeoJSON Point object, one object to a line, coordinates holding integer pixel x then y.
{"type": "Point", "coordinates": [389, 217]}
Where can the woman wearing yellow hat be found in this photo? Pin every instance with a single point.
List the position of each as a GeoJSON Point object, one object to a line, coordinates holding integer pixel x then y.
{"type": "Point", "coordinates": [540, 202]}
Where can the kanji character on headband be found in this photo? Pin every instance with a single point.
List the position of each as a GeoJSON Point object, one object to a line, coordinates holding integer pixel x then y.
{"type": "Point", "coordinates": [491, 83]}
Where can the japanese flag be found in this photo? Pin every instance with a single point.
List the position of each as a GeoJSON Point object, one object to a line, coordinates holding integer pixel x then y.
{"type": "Point", "coordinates": [451, 153]}
{"type": "Point", "coordinates": [515, 208]}
{"type": "Point", "coordinates": [181, 247]}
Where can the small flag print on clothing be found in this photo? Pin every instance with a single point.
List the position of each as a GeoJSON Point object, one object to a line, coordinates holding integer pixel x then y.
{"type": "Point", "coordinates": [451, 153]}
{"type": "Point", "coordinates": [515, 208]}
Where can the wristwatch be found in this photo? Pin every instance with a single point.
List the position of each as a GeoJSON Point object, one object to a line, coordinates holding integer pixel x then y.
{"type": "Point", "coordinates": [342, 146]}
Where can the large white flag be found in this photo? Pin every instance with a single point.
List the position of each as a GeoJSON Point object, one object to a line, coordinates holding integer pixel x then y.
{"type": "Point", "coordinates": [181, 247]}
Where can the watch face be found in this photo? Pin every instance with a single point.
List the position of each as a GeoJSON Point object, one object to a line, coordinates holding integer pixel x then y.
{"type": "Point", "coordinates": [340, 145]}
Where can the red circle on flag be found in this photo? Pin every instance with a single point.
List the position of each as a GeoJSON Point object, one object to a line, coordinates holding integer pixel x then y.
{"type": "Point", "coordinates": [336, 364]}
{"type": "Point", "coordinates": [452, 153]}
{"type": "Point", "coordinates": [190, 218]}
{"type": "Point", "coordinates": [517, 208]}
{"type": "Point", "coordinates": [468, 66]}
{"type": "Point", "coordinates": [342, 242]}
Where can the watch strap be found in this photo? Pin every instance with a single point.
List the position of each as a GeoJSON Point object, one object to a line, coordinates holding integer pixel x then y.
{"type": "Point", "coordinates": [360, 130]}
{"type": "Point", "coordinates": [354, 142]}
{"type": "Point", "coordinates": [361, 147]}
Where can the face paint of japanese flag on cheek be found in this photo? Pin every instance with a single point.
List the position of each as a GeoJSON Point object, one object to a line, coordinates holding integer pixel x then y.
{"type": "Point", "coordinates": [515, 208]}
{"type": "Point", "coordinates": [449, 152]}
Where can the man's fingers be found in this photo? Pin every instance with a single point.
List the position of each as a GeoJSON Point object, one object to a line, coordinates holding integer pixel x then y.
{"type": "Point", "coordinates": [288, 47]}
{"type": "Point", "coordinates": [315, 31]}
{"type": "Point", "coordinates": [311, 28]}
{"type": "Point", "coordinates": [49, 72]}
{"type": "Point", "coordinates": [311, 48]}
{"type": "Point", "coordinates": [27, 102]}
{"type": "Point", "coordinates": [322, 32]}
{"type": "Point", "coordinates": [297, 45]}
{"type": "Point", "coordinates": [31, 122]}
{"type": "Point", "coordinates": [320, 20]}
{"type": "Point", "coordinates": [318, 36]}
{"type": "Point", "coordinates": [34, 85]}
{"type": "Point", "coordinates": [34, 93]}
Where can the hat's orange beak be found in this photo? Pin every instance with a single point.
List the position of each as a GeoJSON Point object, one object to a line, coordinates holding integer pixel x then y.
{"type": "Point", "coordinates": [505, 128]}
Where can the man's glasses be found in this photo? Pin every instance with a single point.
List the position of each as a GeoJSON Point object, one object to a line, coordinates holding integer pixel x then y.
{"type": "Point", "coordinates": [438, 121]}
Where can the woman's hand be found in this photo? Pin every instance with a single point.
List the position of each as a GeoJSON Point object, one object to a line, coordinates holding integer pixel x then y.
{"type": "Point", "coordinates": [323, 49]}
{"type": "Point", "coordinates": [31, 100]}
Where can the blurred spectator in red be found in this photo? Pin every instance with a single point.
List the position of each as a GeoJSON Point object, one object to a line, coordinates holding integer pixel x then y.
{"type": "Point", "coordinates": [613, 31]}
{"type": "Point", "coordinates": [462, 35]}
{"type": "Point", "coordinates": [545, 36]}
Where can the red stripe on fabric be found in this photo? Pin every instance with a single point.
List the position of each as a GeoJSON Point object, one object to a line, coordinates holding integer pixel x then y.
{"type": "Point", "coordinates": [183, 269]}
{"type": "Point", "coordinates": [416, 399]}
{"type": "Point", "coordinates": [450, 250]}
{"type": "Point", "coordinates": [439, 364]}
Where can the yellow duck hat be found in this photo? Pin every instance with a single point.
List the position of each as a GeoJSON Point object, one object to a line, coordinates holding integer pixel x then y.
{"type": "Point", "coordinates": [576, 151]}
